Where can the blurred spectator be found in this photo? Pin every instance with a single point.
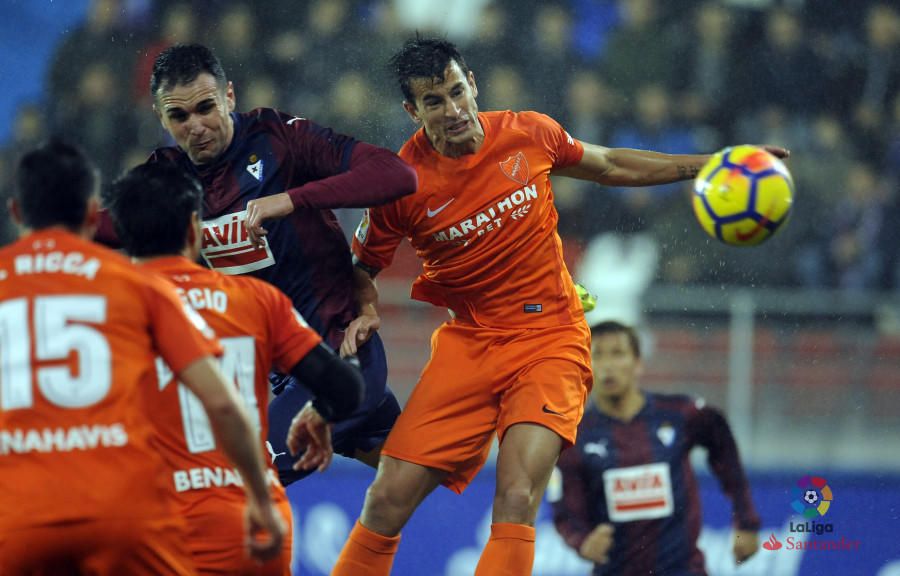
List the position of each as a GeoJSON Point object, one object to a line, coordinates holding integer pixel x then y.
{"type": "Point", "coordinates": [234, 38]}
{"type": "Point", "coordinates": [784, 71]}
{"type": "Point", "coordinates": [548, 58]}
{"type": "Point", "coordinates": [505, 89]}
{"type": "Point", "coordinates": [850, 257]}
{"type": "Point", "coordinates": [454, 19]}
{"type": "Point", "coordinates": [640, 50]}
{"type": "Point", "coordinates": [176, 25]}
{"type": "Point", "coordinates": [879, 73]}
{"type": "Point", "coordinates": [707, 79]}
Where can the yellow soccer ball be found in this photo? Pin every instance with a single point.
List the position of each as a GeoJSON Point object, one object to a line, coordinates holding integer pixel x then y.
{"type": "Point", "coordinates": [743, 195]}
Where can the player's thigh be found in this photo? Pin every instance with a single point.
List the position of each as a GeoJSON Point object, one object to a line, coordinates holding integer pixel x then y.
{"type": "Point", "coordinates": [449, 419]}
{"type": "Point", "coordinates": [552, 386]}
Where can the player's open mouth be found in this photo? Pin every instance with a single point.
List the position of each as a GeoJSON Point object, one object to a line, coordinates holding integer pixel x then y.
{"type": "Point", "coordinates": [457, 127]}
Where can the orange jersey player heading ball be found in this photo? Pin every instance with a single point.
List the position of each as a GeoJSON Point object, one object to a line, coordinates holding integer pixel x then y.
{"type": "Point", "coordinates": [82, 488]}
{"type": "Point", "coordinates": [515, 358]}
{"type": "Point", "coordinates": [156, 211]}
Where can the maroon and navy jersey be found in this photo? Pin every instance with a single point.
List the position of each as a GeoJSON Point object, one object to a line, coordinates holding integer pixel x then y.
{"type": "Point", "coordinates": [637, 476]}
{"type": "Point", "coordinates": [306, 254]}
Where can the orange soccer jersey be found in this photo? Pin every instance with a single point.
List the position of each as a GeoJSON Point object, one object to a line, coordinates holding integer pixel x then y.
{"type": "Point", "coordinates": [258, 328]}
{"type": "Point", "coordinates": [484, 225]}
{"type": "Point", "coordinates": [519, 349]}
{"type": "Point", "coordinates": [80, 329]}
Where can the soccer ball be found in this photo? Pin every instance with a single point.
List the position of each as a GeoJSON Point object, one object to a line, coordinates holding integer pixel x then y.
{"type": "Point", "coordinates": [743, 195]}
{"type": "Point", "coordinates": [811, 497]}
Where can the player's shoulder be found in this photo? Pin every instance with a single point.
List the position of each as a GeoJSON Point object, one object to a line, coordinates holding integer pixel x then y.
{"type": "Point", "coordinates": [677, 402]}
{"type": "Point", "coordinates": [528, 120]}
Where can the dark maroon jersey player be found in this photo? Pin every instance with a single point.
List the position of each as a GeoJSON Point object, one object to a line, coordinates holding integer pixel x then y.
{"type": "Point", "coordinates": [287, 172]}
{"type": "Point", "coordinates": [629, 500]}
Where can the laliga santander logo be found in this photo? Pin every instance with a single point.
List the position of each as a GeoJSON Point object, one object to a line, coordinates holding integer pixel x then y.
{"type": "Point", "coordinates": [812, 497]}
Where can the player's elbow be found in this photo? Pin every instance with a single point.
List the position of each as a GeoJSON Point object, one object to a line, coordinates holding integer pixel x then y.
{"type": "Point", "coordinates": [343, 389]}
{"type": "Point", "coordinates": [337, 384]}
{"type": "Point", "coordinates": [405, 179]}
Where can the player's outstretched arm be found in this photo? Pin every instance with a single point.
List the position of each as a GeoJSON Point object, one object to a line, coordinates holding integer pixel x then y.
{"type": "Point", "coordinates": [629, 167]}
{"type": "Point", "coordinates": [362, 327]}
{"type": "Point", "coordinates": [241, 444]}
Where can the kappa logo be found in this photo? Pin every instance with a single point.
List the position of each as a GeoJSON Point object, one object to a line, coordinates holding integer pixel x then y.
{"type": "Point", "coordinates": [596, 448]}
{"type": "Point", "coordinates": [432, 213]}
{"type": "Point", "coordinates": [516, 168]}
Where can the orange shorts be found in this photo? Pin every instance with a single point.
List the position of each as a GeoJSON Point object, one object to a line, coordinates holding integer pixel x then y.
{"type": "Point", "coordinates": [103, 548]}
{"type": "Point", "coordinates": [217, 539]}
{"type": "Point", "coordinates": [481, 380]}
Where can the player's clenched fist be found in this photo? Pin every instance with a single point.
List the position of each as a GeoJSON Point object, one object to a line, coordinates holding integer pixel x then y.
{"type": "Point", "coordinates": [266, 208]}
{"type": "Point", "coordinates": [265, 529]}
{"type": "Point", "coordinates": [597, 544]}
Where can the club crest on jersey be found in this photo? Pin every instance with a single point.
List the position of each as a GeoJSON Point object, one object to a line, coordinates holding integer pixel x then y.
{"type": "Point", "coordinates": [227, 247]}
{"type": "Point", "coordinates": [516, 168]}
{"type": "Point", "coordinates": [255, 167]}
{"type": "Point", "coordinates": [666, 434]}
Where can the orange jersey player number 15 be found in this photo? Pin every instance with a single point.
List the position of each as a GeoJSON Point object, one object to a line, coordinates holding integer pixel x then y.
{"type": "Point", "coordinates": [59, 328]}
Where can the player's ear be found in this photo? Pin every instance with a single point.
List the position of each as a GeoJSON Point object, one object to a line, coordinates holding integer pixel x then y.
{"type": "Point", "coordinates": [471, 79]}
{"type": "Point", "coordinates": [159, 115]}
{"type": "Point", "coordinates": [15, 211]}
{"type": "Point", "coordinates": [229, 96]}
{"type": "Point", "coordinates": [91, 217]}
{"type": "Point", "coordinates": [194, 235]}
{"type": "Point", "coordinates": [412, 111]}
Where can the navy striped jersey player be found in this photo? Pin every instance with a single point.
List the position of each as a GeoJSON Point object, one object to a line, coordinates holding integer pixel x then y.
{"type": "Point", "coordinates": [630, 471]}
{"type": "Point", "coordinates": [306, 254]}
{"type": "Point", "coordinates": [240, 157]}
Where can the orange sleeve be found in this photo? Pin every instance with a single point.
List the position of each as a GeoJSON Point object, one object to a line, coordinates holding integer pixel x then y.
{"type": "Point", "coordinates": [291, 337]}
{"type": "Point", "coordinates": [565, 150]}
{"type": "Point", "coordinates": [180, 334]}
{"type": "Point", "coordinates": [378, 236]}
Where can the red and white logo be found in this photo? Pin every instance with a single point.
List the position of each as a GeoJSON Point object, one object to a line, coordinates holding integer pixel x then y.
{"type": "Point", "coordinates": [638, 492]}
{"type": "Point", "coordinates": [772, 543]}
{"type": "Point", "coordinates": [227, 247]}
{"type": "Point", "coordinates": [516, 168]}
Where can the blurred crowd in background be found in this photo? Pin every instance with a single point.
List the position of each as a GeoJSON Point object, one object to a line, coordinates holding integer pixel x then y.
{"type": "Point", "coordinates": [819, 77]}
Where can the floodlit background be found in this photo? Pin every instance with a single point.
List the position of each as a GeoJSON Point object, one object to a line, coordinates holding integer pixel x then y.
{"type": "Point", "coordinates": [798, 339]}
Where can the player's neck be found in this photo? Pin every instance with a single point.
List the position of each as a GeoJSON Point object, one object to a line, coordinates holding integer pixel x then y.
{"type": "Point", "coordinates": [624, 407]}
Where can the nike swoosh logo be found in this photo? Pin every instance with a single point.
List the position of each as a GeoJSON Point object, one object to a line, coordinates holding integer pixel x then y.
{"type": "Point", "coordinates": [744, 236]}
{"type": "Point", "coordinates": [432, 213]}
{"type": "Point", "coordinates": [549, 411]}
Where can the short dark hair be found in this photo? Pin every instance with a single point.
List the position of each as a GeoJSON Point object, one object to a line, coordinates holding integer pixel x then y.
{"type": "Point", "coordinates": [424, 58]}
{"type": "Point", "coordinates": [613, 327]}
{"type": "Point", "coordinates": [54, 183]}
{"type": "Point", "coordinates": [181, 64]}
{"type": "Point", "coordinates": [151, 208]}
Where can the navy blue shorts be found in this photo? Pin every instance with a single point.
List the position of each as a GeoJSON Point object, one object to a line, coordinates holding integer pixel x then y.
{"type": "Point", "coordinates": [367, 428]}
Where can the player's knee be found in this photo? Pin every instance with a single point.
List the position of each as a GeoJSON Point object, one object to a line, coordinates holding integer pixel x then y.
{"type": "Point", "coordinates": [387, 507]}
{"type": "Point", "coordinates": [516, 504]}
